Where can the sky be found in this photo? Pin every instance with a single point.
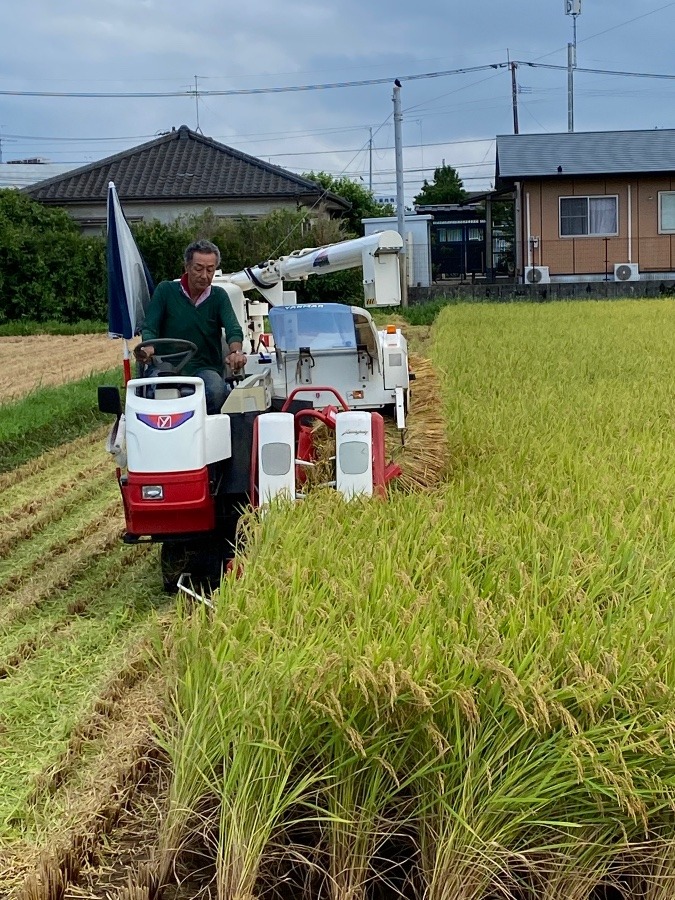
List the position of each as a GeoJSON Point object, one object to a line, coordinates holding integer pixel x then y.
{"type": "Point", "coordinates": [185, 53]}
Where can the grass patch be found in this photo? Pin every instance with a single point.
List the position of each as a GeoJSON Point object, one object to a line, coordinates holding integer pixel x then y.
{"type": "Point", "coordinates": [51, 416]}
{"type": "Point", "coordinates": [419, 314]}
{"type": "Point", "coordinates": [26, 328]}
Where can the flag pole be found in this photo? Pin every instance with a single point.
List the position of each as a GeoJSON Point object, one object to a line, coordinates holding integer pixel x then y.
{"type": "Point", "coordinates": [126, 362]}
{"type": "Point", "coordinates": [130, 284]}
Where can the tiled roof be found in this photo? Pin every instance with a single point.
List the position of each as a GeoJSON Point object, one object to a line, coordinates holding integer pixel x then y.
{"type": "Point", "coordinates": [181, 165]}
{"type": "Point", "coordinates": [585, 153]}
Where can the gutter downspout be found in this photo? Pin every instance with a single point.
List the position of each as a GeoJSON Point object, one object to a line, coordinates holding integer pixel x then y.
{"type": "Point", "coordinates": [630, 224]}
{"type": "Point", "coordinates": [529, 228]}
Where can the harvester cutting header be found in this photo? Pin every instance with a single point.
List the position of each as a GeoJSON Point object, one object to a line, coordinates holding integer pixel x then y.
{"type": "Point", "coordinates": [185, 476]}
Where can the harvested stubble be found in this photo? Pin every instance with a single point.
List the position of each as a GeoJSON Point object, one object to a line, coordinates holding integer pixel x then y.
{"type": "Point", "coordinates": [422, 451]}
{"type": "Point", "coordinates": [484, 672]}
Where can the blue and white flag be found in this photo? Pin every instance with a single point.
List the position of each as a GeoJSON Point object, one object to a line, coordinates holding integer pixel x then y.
{"type": "Point", "coordinates": [130, 284]}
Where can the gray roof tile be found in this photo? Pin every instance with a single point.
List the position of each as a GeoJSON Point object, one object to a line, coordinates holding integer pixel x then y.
{"type": "Point", "coordinates": [585, 153]}
{"type": "Point", "coordinates": [181, 165]}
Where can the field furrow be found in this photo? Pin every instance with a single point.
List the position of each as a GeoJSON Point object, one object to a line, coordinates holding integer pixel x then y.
{"type": "Point", "coordinates": [76, 822]}
{"type": "Point", "coordinates": [121, 690]}
{"type": "Point", "coordinates": [20, 524]}
{"type": "Point", "coordinates": [31, 479]}
{"type": "Point", "coordinates": [53, 558]}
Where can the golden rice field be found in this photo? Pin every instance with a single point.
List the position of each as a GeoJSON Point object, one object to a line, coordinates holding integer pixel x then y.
{"type": "Point", "coordinates": [462, 693]}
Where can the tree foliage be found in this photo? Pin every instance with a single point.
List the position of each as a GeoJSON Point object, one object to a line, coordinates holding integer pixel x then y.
{"type": "Point", "coordinates": [446, 187]}
{"type": "Point", "coordinates": [48, 270]}
{"type": "Point", "coordinates": [363, 204]}
{"type": "Point", "coordinates": [51, 272]}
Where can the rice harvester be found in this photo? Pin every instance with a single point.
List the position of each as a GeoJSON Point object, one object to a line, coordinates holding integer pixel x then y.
{"type": "Point", "coordinates": [186, 476]}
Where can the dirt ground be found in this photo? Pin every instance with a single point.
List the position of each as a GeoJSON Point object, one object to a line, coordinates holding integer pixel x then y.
{"type": "Point", "coordinates": [42, 360]}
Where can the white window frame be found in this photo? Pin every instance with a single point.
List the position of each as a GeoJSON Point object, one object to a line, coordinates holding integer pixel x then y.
{"type": "Point", "coordinates": [661, 229]}
{"type": "Point", "coordinates": [587, 198]}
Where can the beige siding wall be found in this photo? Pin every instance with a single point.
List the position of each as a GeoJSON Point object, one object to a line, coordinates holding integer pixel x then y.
{"type": "Point", "coordinates": [597, 255]}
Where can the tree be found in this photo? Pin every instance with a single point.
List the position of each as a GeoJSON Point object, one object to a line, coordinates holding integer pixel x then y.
{"type": "Point", "coordinates": [446, 187]}
{"type": "Point", "coordinates": [47, 269]}
{"type": "Point", "coordinates": [364, 205]}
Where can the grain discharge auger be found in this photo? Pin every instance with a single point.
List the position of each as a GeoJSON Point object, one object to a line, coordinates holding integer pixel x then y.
{"type": "Point", "coordinates": [186, 476]}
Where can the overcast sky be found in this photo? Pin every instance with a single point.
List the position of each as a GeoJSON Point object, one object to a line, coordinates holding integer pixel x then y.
{"type": "Point", "coordinates": [161, 46]}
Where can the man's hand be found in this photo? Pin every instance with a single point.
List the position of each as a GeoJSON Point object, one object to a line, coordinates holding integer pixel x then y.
{"type": "Point", "coordinates": [144, 354]}
{"type": "Point", "coordinates": [236, 360]}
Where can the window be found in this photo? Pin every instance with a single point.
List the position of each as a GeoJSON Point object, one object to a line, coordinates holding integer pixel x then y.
{"type": "Point", "coordinates": [588, 215]}
{"type": "Point", "coordinates": [666, 212]}
{"type": "Point", "coordinates": [449, 235]}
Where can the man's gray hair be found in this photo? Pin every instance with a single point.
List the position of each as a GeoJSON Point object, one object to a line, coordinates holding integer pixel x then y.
{"type": "Point", "coordinates": [202, 246]}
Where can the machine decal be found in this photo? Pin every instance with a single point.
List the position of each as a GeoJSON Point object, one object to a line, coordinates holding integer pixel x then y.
{"type": "Point", "coordinates": [321, 259]}
{"type": "Point", "coordinates": [166, 421]}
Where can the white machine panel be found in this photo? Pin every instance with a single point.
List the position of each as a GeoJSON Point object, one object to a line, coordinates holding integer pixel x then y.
{"type": "Point", "coordinates": [395, 356]}
{"type": "Point", "coordinates": [173, 434]}
{"type": "Point", "coordinates": [276, 456]}
{"type": "Point", "coordinates": [354, 453]}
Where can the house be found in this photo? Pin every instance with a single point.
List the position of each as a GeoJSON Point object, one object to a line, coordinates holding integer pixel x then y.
{"type": "Point", "coordinates": [591, 206]}
{"type": "Point", "coordinates": [183, 173]}
{"type": "Point", "coordinates": [457, 238]}
{"type": "Point", "coordinates": [22, 173]}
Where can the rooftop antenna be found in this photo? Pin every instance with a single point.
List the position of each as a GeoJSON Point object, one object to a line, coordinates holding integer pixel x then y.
{"type": "Point", "coordinates": [198, 128]}
{"type": "Point", "coordinates": [572, 8]}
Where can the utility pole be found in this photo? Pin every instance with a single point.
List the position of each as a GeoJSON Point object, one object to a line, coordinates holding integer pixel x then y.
{"type": "Point", "coordinates": [572, 8]}
{"type": "Point", "coordinates": [370, 162]}
{"type": "Point", "coordinates": [514, 95]}
{"type": "Point", "coordinates": [400, 198]}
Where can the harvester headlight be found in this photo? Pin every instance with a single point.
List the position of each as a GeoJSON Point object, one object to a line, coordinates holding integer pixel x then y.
{"type": "Point", "coordinates": [152, 492]}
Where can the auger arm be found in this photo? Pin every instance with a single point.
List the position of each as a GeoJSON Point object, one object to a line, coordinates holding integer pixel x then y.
{"type": "Point", "coordinates": [377, 254]}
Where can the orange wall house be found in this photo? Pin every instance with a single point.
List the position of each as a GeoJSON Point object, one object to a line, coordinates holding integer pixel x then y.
{"type": "Point", "coordinates": [579, 216]}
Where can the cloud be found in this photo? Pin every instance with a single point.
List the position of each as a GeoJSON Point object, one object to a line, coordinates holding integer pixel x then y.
{"type": "Point", "coordinates": [161, 45]}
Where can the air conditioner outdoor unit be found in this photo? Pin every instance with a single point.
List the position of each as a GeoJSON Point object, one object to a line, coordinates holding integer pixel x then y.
{"type": "Point", "coordinates": [536, 275]}
{"type": "Point", "coordinates": [626, 272]}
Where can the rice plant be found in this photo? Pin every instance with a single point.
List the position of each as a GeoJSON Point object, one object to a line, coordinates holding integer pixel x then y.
{"type": "Point", "coordinates": [467, 692]}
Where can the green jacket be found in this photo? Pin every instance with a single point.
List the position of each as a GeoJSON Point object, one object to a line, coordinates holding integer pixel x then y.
{"type": "Point", "coordinates": [171, 315]}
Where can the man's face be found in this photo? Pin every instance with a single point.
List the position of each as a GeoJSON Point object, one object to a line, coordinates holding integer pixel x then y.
{"type": "Point", "coordinates": [200, 271]}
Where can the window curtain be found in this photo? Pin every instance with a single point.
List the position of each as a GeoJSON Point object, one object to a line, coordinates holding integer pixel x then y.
{"type": "Point", "coordinates": [602, 215]}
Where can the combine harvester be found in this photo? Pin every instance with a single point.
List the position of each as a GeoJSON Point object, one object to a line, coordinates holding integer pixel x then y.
{"type": "Point", "coordinates": [186, 476]}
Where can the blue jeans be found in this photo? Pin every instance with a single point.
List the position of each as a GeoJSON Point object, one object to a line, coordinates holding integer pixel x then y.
{"type": "Point", "coordinates": [215, 389]}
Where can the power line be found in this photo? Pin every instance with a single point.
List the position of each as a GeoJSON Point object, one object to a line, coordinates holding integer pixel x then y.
{"type": "Point", "coordinates": [536, 65]}
{"type": "Point", "coordinates": [192, 92]}
{"type": "Point", "coordinates": [244, 91]}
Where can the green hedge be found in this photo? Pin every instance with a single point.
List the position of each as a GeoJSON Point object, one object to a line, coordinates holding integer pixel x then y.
{"type": "Point", "coordinates": [49, 271]}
